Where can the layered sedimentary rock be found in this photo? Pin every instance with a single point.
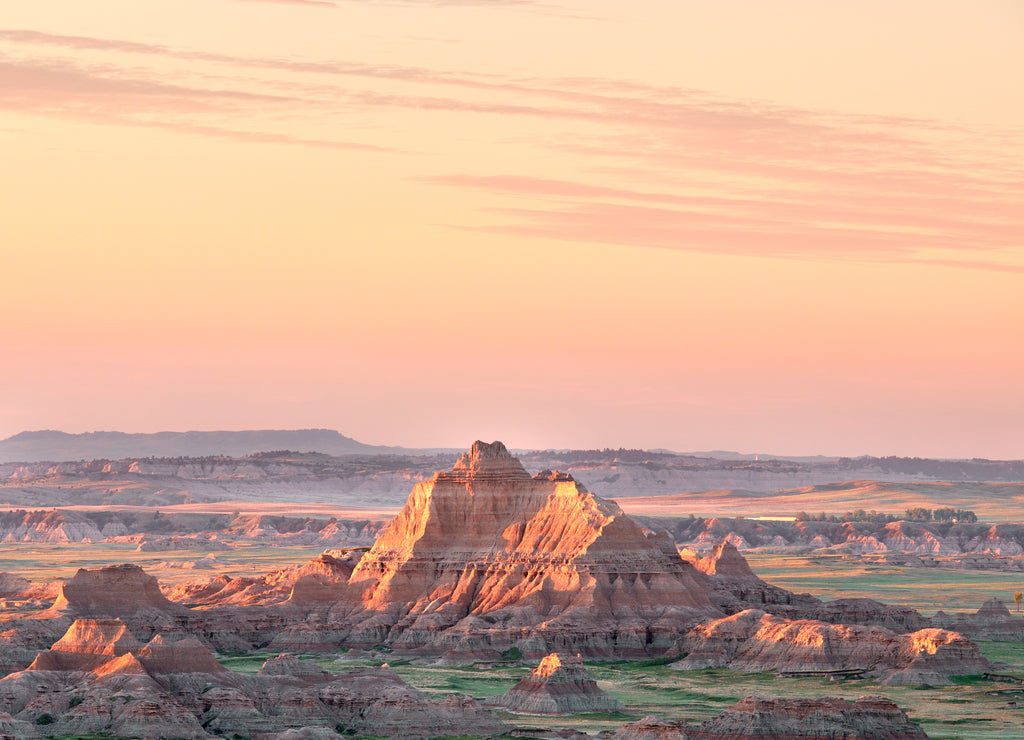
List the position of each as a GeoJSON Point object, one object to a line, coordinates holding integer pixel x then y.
{"type": "Point", "coordinates": [734, 586]}
{"type": "Point", "coordinates": [755, 641]}
{"type": "Point", "coordinates": [559, 685]}
{"type": "Point", "coordinates": [759, 718]}
{"type": "Point", "coordinates": [114, 591]}
{"type": "Point", "coordinates": [648, 728]}
{"type": "Point", "coordinates": [99, 679]}
{"type": "Point", "coordinates": [317, 581]}
{"type": "Point", "coordinates": [486, 557]}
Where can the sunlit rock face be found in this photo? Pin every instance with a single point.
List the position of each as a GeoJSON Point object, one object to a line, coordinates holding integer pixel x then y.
{"type": "Point", "coordinates": [486, 556]}
{"type": "Point", "coordinates": [754, 641]}
{"type": "Point", "coordinates": [559, 685]}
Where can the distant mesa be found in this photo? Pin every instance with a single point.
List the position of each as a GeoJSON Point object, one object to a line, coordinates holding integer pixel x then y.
{"type": "Point", "coordinates": [559, 685]}
{"type": "Point", "coordinates": [57, 446]}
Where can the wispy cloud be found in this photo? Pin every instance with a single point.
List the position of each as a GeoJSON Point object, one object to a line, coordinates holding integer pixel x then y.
{"type": "Point", "coordinates": [653, 166]}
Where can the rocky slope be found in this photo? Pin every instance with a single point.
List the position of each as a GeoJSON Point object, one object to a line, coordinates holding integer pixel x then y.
{"type": "Point", "coordinates": [317, 581]}
{"type": "Point", "coordinates": [558, 685]}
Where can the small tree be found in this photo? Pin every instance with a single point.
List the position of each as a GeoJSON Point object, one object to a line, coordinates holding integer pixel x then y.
{"type": "Point", "coordinates": [1017, 599]}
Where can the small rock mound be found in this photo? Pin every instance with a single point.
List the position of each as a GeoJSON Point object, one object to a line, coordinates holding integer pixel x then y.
{"type": "Point", "coordinates": [827, 718]}
{"type": "Point", "coordinates": [559, 685]}
{"type": "Point", "coordinates": [649, 728]}
{"type": "Point", "coordinates": [286, 664]}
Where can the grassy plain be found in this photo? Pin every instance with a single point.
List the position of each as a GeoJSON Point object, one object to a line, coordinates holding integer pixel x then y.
{"type": "Point", "coordinates": [970, 709]}
{"type": "Point", "coordinates": [43, 561]}
{"type": "Point", "coordinates": [926, 589]}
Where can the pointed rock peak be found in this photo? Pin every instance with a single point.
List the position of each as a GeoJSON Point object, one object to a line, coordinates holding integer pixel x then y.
{"type": "Point", "coordinates": [489, 461]}
{"type": "Point", "coordinates": [725, 560]}
{"type": "Point", "coordinates": [96, 636]}
{"type": "Point", "coordinates": [127, 664]}
{"type": "Point", "coordinates": [559, 685]}
{"type": "Point", "coordinates": [994, 608]}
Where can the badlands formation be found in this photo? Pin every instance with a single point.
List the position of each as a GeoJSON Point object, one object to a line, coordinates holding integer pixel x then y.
{"type": "Point", "coordinates": [485, 564]}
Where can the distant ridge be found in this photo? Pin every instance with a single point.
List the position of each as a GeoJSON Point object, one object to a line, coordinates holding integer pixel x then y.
{"type": "Point", "coordinates": [49, 445]}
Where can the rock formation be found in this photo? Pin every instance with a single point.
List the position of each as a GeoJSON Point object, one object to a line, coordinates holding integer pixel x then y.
{"type": "Point", "coordinates": [319, 580]}
{"type": "Point", "coordinates": [99, 679]}
{"type": "Point", "coordinates": [993, 621]}
{"type": "Point", "coordinates": [734, 586]}
{"type": "Point", "coordinates": [486, 557]}
{"type": "Point", "coordinates": [755, 641]}
{"type": "Point", "coordinates": [114, 591]}
{"type": "Point", "coordinates": [648, 728]}
{"type": "Point", "coordinates": [758, 718]}
{"type": "Point", "coordinates": [559, 685]}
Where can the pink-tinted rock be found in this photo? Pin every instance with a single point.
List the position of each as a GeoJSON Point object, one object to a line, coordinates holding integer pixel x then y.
{"type": "Point", "coordinates": [559, 685]}
{"type": "Point", "coordinates": [755, 641]}
{"type": "Point", "coordinates": [485, 555]}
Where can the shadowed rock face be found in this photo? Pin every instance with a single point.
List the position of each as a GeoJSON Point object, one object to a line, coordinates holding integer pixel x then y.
{"type": "Point", "coordinates": [559, 685]}
{"type": "Point", "coordinates": [487, 539]}
{"type": "Point", "coordinates": [993, 621]}
{"type": "Point", "coordinates": [869, 718]}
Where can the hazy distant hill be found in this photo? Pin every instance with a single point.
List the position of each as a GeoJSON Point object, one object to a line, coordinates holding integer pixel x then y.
{"type": "Point", "coordinates": [59, 446]}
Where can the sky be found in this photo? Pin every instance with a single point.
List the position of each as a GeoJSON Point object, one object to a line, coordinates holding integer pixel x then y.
{"type": "Point", "coordinates": [792, 227]}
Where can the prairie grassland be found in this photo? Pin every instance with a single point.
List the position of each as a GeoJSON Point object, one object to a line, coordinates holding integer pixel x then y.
{"type": "Point", "coordinates": [926, 589]}
{"type": "Point", "coordinates": [971, 708]}
{"type": "Point", "coordinates": [43, 561]}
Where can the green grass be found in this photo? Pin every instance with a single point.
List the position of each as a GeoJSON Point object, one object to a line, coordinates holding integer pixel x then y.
{"type": "Point", "coordinates": [926, 589]}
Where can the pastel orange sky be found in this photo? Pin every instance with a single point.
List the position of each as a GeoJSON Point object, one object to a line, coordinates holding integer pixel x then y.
{"type": "Point", "coordinates": [787, 227]}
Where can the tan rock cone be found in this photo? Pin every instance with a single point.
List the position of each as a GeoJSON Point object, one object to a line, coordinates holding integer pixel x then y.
{"type": "Point", "coordinates": [559, 685]}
